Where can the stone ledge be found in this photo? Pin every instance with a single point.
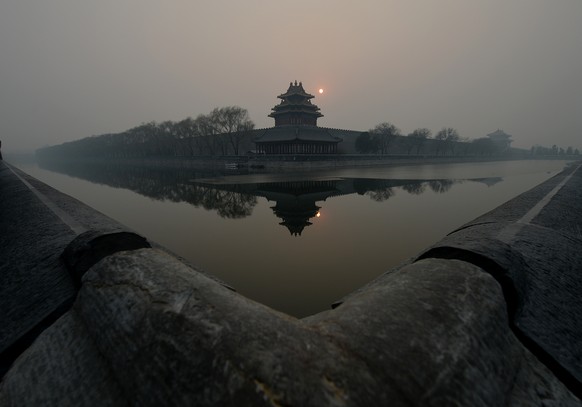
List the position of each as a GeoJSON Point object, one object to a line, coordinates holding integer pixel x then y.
{"type": "Point", "coordinates": [91, 246]}
{"type": "Point", "coordinates": [433, 333]}
{"type": "Point", "coordinates": [538, 263]}
{"type": "Point", "coordinates": [35, 286]}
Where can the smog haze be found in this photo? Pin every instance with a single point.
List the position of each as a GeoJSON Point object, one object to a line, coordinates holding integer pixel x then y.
{"type": "Point", "coordinates": [74, 69]}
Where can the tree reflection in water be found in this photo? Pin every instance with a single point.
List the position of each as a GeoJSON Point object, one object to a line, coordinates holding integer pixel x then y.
{"type": "Point", "coordinates": [440, 186]}
{"type": "Point", "coordinates": [381, 195]}
{"type": "Point", "coordinates": [228, 203]}
{"type": "Point", "coordinates": [295, 201]}
{"type": "Point", "coordinates": [415, 189]}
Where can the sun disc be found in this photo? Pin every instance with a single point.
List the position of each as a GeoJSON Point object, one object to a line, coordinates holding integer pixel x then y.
{"type": "Point", "coordinates": [320, 90]}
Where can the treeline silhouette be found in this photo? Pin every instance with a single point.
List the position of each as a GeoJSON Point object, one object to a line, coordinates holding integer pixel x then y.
{"type": "Point", "coordinates": [229, 131]}
{"type": "Point", "coordinates": [386, 138]}
{"type": "Point", "coordinates": [220, 132]}
{"type": "Point", "coordinates": [553, 151]}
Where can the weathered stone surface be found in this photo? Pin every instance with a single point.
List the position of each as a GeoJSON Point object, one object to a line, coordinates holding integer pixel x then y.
{"type": "Point", "coordinates": [536, 257]}
{"type": "Point", "coordinates": [560, 213]}
{"type": "Point", "coordinates": [32, 283]}
{"type": "Point", "coordinates": [91, 246]}
{"type": "Point", "coordinates": [433, 333]}
{"type": "Point", "coordinates": [35, 287]}
{"type": "Point", "coordinates": [446, 340]}
{"type": "Point", "coordinates": [63, 358]}
{"type": "Point", "coordinates": [85, 216]}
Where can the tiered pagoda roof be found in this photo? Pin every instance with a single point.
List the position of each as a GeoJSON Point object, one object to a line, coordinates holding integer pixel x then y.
{"type": "Point", "coordinates": [501, 139]}
{"type": "Point", "coordinates": [295, 107]}
{"type": "Point", "coordinates": [499, 134]}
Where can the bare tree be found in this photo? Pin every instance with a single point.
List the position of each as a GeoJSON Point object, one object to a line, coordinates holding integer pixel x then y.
{"type": "Point", "coordinates": [186, 132]}
{"type": "Point", "coordinates": [217, 124]}
{"type": "Point", "coordinates": [234, 122]}
{"type": "Point", "coordinates": [447, 137]}
{"type": "Point", "coordinates": [417, 138]}
{"type": "Point", "coordinates": [207, 131]}
{"type": "Point", "coordinates": [230, 125]}
{"type": "Point", "coordinates": [385, 133]}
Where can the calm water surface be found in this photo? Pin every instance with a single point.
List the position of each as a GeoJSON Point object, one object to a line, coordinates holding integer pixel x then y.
{"type": "Point", "coordinates": [297, 242]}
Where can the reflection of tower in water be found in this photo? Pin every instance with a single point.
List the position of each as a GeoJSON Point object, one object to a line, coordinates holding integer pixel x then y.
{"type": "Point", "coordinates": [295, 214]}
{"type": "Point", "coordinates": [295, 201]}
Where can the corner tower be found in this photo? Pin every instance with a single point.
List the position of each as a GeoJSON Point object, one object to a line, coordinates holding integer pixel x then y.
{"type": "Point", "coordinates": [296, 130]}
{"type": "Point", "coordinates": [295, 108]}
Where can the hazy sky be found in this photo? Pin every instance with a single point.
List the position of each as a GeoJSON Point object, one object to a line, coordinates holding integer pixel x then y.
{"type": "Point", "coordinates": [70, 69]}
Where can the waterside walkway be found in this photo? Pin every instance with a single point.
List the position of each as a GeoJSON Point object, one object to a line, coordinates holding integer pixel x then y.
{"type": "Point", "coordinates": [93, 315]}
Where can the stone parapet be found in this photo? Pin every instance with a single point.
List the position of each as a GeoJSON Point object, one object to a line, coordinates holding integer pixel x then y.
{"type": "Point", "coordinates": [532, 245]}
{"type": "Point", "coordinates": [38, 223]}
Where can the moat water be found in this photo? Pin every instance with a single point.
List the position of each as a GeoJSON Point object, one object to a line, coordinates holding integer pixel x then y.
{"type": "Point", "coordinates": [296, 242]}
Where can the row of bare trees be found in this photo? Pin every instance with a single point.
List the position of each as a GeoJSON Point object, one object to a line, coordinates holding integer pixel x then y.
{"type": "Point", "coordinates": [554, 151]}
{"type": "Point", "coordinates": [380, 139]}
{"type": "Point", "coordinates": [228, 131]}
{"type": "Point", "coordinates": [219, 132]}
{"type": "Point", "coordinates": [386, 138]}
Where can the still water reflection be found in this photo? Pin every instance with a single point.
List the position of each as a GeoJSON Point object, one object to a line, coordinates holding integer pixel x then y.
{"type": "Point", "coordinates": [296, 242]}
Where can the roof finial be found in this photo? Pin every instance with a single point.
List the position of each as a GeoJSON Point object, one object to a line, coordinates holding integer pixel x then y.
{"type": "Point", "coordinates": [295, 82]}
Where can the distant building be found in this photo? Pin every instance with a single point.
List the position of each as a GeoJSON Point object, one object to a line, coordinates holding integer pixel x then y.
{"type": "Point", "coordinates": [501, 139]}
{"type": "Point", "coordinates": [296, 130]}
